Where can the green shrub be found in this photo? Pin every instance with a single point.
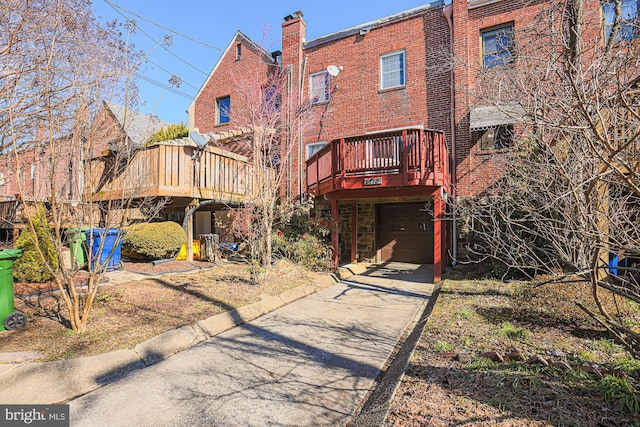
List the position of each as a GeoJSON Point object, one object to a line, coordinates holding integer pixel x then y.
{"type": "Point", "coordinates": [311, 252]}
{"type": "Point", "coordinates": [155, 240]}
{"type": "Point", "coordinates": [168, 133]}
{"type": "Point", "coordinates": [30, 267]}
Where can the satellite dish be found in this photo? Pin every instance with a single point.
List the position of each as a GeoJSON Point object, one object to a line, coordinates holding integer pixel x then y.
{"type": "Point", "coordinates": [333, 70]}
{"type": "Point", "coordinates": [199, 139]}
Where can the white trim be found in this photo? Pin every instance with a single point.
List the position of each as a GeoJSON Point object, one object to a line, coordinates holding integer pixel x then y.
{"type": "Point", "coordinates": [403, 54]}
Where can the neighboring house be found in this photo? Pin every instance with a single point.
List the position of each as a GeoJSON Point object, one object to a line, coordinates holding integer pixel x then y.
{"type": "Point", "coordinates": [178, 173]}
{"type": "Point", "coordinates": [46, 167]}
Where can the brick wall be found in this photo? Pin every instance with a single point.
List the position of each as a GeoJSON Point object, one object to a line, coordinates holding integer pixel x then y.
{"type": "Point", "coordinates": [237, 79]}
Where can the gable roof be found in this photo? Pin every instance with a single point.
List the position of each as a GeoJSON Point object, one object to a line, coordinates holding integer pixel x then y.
{"type": "Point", "coordinates": [234, 40]}
{"type": "Point", "coordinates": [138, 126]}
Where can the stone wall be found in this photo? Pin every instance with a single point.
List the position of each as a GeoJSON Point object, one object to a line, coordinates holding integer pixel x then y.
{"type": "Point", "coordinates": [366, 231]}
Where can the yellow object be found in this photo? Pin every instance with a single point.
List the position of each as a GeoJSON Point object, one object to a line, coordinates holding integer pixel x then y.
{"type": "Point", "coordinates": [182, 255]}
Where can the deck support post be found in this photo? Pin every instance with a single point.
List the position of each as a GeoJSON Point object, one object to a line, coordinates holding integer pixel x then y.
{"type": "Point", "coordinates": [334, 232]}
{"type": "Point", "coordinates": [438, 234]}
{"type": "Point", "coordinates": [190, 230]}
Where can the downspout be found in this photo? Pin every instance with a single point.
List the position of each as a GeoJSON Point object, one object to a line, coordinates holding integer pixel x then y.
{"type": "Point", "coordinates": [448, 13]}
{"type": "Point", "coordinates": [300, 144]}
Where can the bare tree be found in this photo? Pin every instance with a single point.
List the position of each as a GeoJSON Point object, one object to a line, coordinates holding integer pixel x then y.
{"type": "Point", "coordinates": [57, 64]}
{"type": "Point", "coordinates": [272, 117]}
{"type": "Point", "coordinates": [567, 203]}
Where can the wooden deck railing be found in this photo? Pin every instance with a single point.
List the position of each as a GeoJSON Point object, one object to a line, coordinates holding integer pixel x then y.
{"type": "Point", "coordinates": [406, 157]}
{"type": "Point", "coordinates": [174, 171]}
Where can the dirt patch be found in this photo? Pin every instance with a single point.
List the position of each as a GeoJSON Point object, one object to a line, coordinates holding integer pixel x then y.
{"type": "Point", "coordinates": [451, 379]}
{"type": "Point", "coordinates": [127, 314]}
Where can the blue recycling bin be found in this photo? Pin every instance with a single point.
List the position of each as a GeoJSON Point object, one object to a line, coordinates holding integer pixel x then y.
{"type": "Point", "coordinates": [95, 236]}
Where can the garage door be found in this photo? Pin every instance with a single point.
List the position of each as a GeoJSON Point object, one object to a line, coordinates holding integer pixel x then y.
{"type": "Point", "coordinates": [406, 233]}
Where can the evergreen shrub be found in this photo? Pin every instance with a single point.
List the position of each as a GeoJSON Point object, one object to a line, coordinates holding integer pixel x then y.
{"type": "Point", "coordinates": [30, 267]}
{"type": "Point", "coordinates": [155, 240]}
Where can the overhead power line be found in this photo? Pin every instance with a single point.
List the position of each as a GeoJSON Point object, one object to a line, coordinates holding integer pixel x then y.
{"type": "Point", "coordinates": [164, 86]}
{"type": "Point", "coordinates": [114, 5]}
{"type": "Point", "coordinates": [158, 43]}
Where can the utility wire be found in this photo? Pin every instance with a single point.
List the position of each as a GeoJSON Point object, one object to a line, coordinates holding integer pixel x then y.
{"type": "Point", "coordinates": [164, 86]}
{"type": "Point", "coordinates": [114, 5]}
{"type": "Point", "coordinates": [157, 42]}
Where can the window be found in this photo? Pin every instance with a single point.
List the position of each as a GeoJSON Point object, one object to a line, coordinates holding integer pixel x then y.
{"type": "Point", "coordinates": [320, 87]}
{"type": "Point", "coordinates": [223, 107]}
{"type": "Point", "coordinates": [238, 52]}
{"type": "Point", "coordinates": [628, 20]}
{"type": "Point", "coordinates": [314, 147]}
{"type": "Point", "coordinates": [496, 138]}
{"type": "Point", "coordinates": [497, 47]}
{"type": "Point", "coordinates": [392, 70]}
{"type": "Point", "coordinates": [270, 99]}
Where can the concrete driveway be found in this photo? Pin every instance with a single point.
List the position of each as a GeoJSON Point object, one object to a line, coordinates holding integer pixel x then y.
{"type": "Point", "coordinates": [309, 363]}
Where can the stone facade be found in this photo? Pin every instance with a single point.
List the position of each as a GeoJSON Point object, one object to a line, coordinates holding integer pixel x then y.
{"type": "Point", "coordinates": [365, 231]}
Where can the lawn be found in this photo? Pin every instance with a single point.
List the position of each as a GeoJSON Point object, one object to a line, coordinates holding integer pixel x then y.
{"type": "Point", "coordinates": [130, 313]}
{"type": "Point", "coordinates": [558, 369]}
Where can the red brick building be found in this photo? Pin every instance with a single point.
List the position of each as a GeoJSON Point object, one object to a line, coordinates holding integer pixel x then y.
{"type": "Point", "coordinates": [380, 88]}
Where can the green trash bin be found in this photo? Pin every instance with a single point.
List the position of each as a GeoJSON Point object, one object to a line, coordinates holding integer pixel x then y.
{"type": "Point", "coordinates": [9, 319]}
{"type": "Point", "coordinates": [76, 238]}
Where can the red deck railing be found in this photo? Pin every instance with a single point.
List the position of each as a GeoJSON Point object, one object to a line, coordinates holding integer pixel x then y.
{"type": "Point", "coordinates": [406, 157]}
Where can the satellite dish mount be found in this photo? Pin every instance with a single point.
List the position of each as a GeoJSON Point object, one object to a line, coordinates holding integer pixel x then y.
{"type": "Point", "coordinates": [333, 71]}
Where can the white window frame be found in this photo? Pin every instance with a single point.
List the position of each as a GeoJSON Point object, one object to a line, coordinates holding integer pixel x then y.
{"type": "Point", "coordinates": [401, 71]}
{"type": "Point", "coordinates": [314, 147]}
{"type": "Point", "coordinates": [319, 87]}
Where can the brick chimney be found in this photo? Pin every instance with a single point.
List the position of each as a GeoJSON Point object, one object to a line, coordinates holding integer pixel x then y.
{"type": "Point", "coordinates": [293, 39]}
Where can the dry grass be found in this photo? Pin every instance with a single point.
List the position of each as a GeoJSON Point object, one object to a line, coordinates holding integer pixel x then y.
{"type": "Point", "coordinates": [473, 317]}
{"type": "Point", "coordinates": [125, 315]}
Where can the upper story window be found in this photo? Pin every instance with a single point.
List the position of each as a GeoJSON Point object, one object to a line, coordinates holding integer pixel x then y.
{"type": "Point", "coordinates": [314, 147]}
{"type": "Point", "coordinates": [392, 70]}
{"type": "Point", "coordinates": [270, 99]}
{"type": "Point", "coordinates": [320, 87]}
{"type": "Point", "coordinates": [628, 28]}
{"type": "Point", "coordinates": [238, 52]}
{"type": "Point", "coordinates": [497, 46]}
{"type": "Point", "coordinates": [223, 110]}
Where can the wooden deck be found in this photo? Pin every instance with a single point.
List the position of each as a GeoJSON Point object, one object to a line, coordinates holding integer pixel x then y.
{"type": "Point", "coordinates": [172, 171]}
{"type": "Point", "coordinates": [412, 157]}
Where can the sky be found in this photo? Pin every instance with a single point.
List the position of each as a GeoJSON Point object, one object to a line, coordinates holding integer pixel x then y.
{"type": "Point", "coordinates": [202, 29]}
